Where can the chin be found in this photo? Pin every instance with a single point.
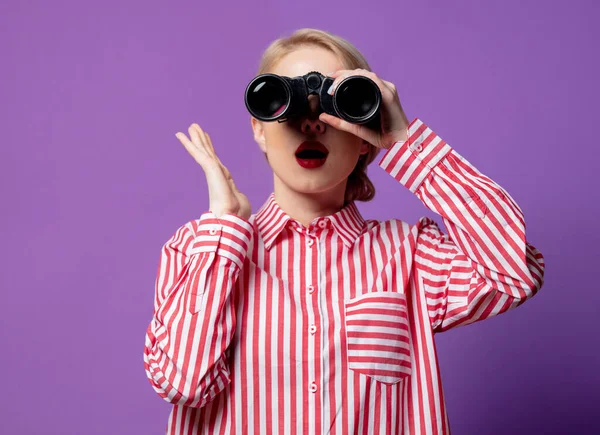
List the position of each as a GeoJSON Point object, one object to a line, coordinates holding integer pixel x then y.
{"type": "Point", "coordinates": [310, 181]}
{"type": "Point", "coordinates": [312, 184]}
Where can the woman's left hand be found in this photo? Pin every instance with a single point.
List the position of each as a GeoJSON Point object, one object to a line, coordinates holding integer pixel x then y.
{"type": "Point", "coordinates": [394, 122]}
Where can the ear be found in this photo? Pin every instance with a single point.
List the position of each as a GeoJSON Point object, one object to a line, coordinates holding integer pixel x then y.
{"type": "Point", "coordinates": [259, 133]}
{"type": "Point", "coordinates": [364, 148]}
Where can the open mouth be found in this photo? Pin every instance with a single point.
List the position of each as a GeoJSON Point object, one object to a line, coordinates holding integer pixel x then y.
{"type": "Point", "coordinates": [311, 154]}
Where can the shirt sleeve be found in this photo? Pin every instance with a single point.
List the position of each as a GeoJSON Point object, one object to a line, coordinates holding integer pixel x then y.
{"type": "Point", "coordinates": [484, 265]}
{"type": "Point", "coordinates": [194, 315]}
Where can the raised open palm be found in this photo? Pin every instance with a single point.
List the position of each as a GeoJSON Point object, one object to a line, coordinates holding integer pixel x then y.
{"type": "Point", "coordinates": [224, 195]}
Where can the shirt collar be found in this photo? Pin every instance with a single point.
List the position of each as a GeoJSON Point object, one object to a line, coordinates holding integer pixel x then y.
{"type": "Point", "coordinates": [271, 220]}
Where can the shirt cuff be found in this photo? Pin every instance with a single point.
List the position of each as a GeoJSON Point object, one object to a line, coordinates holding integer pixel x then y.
{"type": "Point", "coordinates": [411, 161]}
{"type": "Point", "coordinates": [229, 236]}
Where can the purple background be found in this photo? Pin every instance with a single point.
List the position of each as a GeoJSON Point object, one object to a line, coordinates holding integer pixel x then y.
{"type": "Point", "coordinates": [94, 182]}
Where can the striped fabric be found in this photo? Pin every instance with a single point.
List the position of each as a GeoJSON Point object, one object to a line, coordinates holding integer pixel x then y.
{"type": "Point", "coordinates": [265, 326]}
{"type": "Point", "coordinates": [377, 336]}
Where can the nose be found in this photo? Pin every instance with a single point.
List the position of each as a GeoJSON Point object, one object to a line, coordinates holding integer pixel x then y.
{"type": "Point", "coordinates": [311, 122]}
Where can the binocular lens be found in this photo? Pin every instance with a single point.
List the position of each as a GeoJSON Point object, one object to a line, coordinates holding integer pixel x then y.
{"type": "Point", "coordinates": [267, 97]}
{"type": "Point", "coordinates": [356, 98]}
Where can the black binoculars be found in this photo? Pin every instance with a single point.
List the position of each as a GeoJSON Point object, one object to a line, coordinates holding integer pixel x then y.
{"type": "Point", "coordinates": [357, 99]}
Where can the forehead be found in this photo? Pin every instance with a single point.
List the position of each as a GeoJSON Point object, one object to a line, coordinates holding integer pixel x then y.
{"type": "Point", "coordinates": [306, 59]}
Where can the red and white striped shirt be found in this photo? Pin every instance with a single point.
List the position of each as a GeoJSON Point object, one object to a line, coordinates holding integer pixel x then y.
{"type": "Point", "coordinates": [266, 326]}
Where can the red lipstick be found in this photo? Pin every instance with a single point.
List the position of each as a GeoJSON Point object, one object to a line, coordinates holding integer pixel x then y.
{"type": "Point", "coordinates": [311, 154]}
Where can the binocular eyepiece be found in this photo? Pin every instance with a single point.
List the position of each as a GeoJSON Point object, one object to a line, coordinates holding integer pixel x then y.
{"type": "Point", "coordinates": [357, 99]}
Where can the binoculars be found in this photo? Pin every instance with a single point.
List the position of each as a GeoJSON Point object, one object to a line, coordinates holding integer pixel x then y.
{"type": "Point", "coordinates": [271, 97]}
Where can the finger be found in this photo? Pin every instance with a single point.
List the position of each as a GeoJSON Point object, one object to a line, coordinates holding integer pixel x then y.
{"type": "Point", "coordinates": [355, 129]}
{"type": "Point", "coordinates": [334, 74]}
{"type": "Point", "coordinates": [391, 86]}
{"type": "Point", "coordinates": [210, 146]}
{"type": "Point", "coordinates": [201, 135]}
{"type": "Point", "coordinates": [198, 153]}
{"type": "Point", "coordinates": [219, 186]}
{"type": "Point", "coordinates": [216, 174]}
{"type": "Point", "coordinates": [339, 77]}
{"type": "Point", "coordinates": [233, 185]}
{"type": "Point", "coordinates": [211, 150]}
{"type": "Point", "coordinates": [195, 137]}
{"type": "Point", "coordinates": [387, 92]}
{"type": "Point", "coordinates": [226, 171]}
{"type": "Point", "coordinates": [213, 169]}
{"type": "Point", "coordinates": [206, 142]}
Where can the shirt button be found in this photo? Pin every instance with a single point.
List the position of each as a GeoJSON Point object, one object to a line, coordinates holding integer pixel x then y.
{"type": "Point", "coordinates": [311, 288]}
{"type": "Point", "coordinates": [313, 387]}
{"type": "Point", "coordinates": [323, 223]}
{"type": "Point", "coordinates": [419, 148]}
{"type": "Point", "coordinates": [299, 229]}
{"type": "Point", "coordinates": [212, 232]}
{"type": "Point", "coordinates": [313, 329]}
{"type": "Point", "coordinates": [310, 242]}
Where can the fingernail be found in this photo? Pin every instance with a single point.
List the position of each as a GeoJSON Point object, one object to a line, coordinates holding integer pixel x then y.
{"type": "Point", "coordinates": [330, 90]}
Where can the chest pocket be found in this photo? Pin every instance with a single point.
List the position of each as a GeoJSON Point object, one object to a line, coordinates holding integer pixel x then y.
{"type": "Point", "coordinates": [377, 336]}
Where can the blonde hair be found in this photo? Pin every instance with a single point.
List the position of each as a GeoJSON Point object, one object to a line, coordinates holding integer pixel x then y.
{"type": "Point", "coordinates": [359, 186]}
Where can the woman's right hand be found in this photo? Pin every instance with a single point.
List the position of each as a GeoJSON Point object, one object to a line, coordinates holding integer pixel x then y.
{"type": "Point", "coordinates": [224, 195]}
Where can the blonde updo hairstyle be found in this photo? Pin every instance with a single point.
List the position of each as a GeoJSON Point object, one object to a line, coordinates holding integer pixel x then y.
{"type": "Point", "coordinates": [359, 187]}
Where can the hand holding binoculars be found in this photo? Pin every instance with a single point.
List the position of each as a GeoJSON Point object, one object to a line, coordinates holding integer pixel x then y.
{"type": "Point", "coordinates": [271, 97]}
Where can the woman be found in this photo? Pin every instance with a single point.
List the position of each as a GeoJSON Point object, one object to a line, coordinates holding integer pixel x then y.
{"type": "Point", "coordinates": [307, 318]}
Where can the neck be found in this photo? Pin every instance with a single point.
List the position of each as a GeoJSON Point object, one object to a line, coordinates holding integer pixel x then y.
{"type": "Point", "coordinates": [305, 207]}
